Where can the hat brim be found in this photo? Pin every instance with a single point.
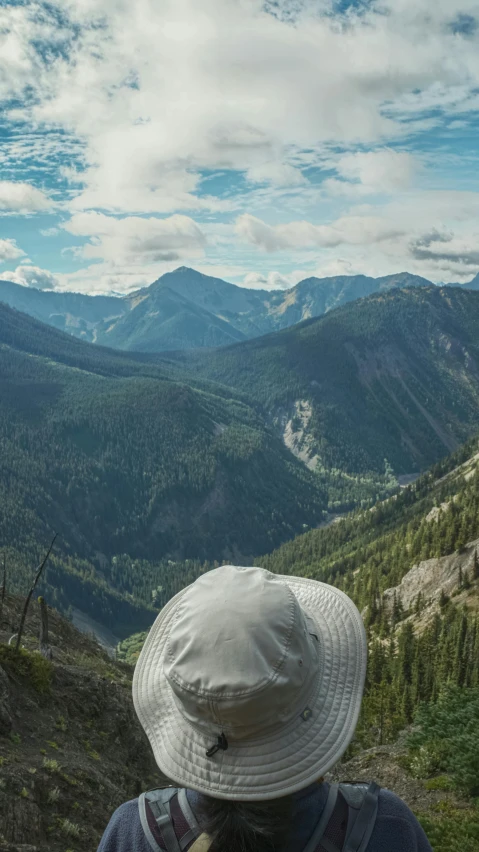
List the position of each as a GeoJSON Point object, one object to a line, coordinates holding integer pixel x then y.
{"type": "Point", "coordinates": [294, 755]}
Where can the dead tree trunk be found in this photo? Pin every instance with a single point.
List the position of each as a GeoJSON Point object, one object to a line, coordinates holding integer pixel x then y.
{"type": "Point", "coordinates": [28, 598]}
{"type": "Point", "coordinates": [4, 583]}
{"type": "Point", "coordinates": [45, 649]}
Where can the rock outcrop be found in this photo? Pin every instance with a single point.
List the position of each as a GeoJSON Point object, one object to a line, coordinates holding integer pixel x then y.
{"type": "Point", "coordinates": [433, 577]}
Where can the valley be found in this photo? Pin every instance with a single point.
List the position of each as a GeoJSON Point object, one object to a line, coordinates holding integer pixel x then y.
{"type": "Point", "coordinates": [140, 460]}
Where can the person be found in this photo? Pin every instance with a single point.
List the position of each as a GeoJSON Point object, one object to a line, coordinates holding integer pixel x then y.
{"type": "Point", "coordinates": [249, 688]}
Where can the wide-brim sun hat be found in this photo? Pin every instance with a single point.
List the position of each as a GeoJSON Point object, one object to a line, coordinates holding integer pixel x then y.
{"type": "Point", "coordinates": [249, 684]}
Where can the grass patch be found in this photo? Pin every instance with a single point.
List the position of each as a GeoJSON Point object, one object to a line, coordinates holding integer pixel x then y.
{"type": "Point", "coordinates": [53, 796]}
{"type": "Point", "coordinates": [51, 766]}
{"type": "Point", "coordinates": [102, 667]}
{"type": "Point", "coordinates": [69, 829]}
{"type": "Point", "coordinates": [91, 751]}
{"type": "Point", "coordinates": [29, 665]}
{"type": "Point", "coordinates": [61, 723]}
{"type": "Point", "coordinates": [440, 782]}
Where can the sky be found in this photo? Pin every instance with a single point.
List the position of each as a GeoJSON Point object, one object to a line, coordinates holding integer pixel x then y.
{"type": "Point", "coordinates": [259, 141]}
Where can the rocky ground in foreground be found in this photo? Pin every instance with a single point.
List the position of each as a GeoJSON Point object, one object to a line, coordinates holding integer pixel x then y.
{"type": "Point", "coordinates": [388, 766]}
{"type": "Point", "coordinates": [71, 749]}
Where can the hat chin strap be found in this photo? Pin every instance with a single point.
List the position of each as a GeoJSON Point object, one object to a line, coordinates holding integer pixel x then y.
{"type": "Point", "coordinates": [220, 744]}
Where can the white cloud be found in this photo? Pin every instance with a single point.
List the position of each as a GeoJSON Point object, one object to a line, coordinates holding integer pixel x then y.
{"type": "Point", "coordinates": [18, 197]}
{"type": "Point", "coordinates": [159, 89]}
{"type": "Point", "coordinates": [33, 276]}
{"type": "Point", "coordinates": [272, 281]}
{"type": "Point", "coordinates": [445, 251]}
{"type": "Point", "coordinates": [338, 266]}
{"type": "Point", "coordinates": [135, 241]}
{"type": "Point", "coordinates": [355, 230]}
{"type": "Point", "coordinates": [143, 96]}
{"type": "Point", "coordinates": [277, 173]}
{"type": "Point", "coordinates": [383, 171]}
{"type": "Point", "coordinates": [9, 250]}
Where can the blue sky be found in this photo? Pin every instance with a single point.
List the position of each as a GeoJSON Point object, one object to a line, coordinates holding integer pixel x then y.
{"type": "Point", "coordinates": [262, 142]}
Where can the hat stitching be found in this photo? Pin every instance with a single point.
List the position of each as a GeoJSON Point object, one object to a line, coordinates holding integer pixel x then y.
{"type": "Point", "coordinates": [187, 765]}
{"type": "Point", "coordinates": [243, 745]}
{"type": "Point", "coordinates": [189, 723]}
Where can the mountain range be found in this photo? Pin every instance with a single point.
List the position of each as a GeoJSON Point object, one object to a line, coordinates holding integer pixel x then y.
{"type": "Point", "coordinates": [392, 376]}
{"type": "Point", "coordinates": [139, 458]}
{"type": "Point", "coordinates": [185, 309]}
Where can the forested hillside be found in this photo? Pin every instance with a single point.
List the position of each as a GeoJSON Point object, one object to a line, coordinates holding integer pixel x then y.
{"type": "Point", "coordinates": [430, 526]}
{"type": "Point", "coordinates": [118, 458]}
{"type": "Point", "coordinates": [137, 464]}
{"type": "Point", "coordinates": [434, 639]}
{"type": "Point", "coordinates": [411, 564]}
{"type": "Point", "coordinates": [394, 376]}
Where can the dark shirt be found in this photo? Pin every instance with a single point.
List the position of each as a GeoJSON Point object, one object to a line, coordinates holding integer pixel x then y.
{"type": "Point", "coordinates": [396, 828]}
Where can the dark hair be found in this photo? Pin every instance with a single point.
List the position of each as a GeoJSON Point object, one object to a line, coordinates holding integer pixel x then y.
{"type": "Point", "coordinates": [246, 826]}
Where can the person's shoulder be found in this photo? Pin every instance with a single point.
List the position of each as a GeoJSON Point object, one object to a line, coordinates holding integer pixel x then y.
{"type": "Point", "coordinates": [125, 811]}
{"type": "Point", "coordinates": [124, 831]}
{"type": "Point", "coordinates": [394, 813]}
{"type": "Point", "coordinates": [390, 804]}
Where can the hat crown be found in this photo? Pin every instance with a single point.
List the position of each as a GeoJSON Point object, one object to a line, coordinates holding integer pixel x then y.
{"type": "Point", "coordinates": [240, 653]}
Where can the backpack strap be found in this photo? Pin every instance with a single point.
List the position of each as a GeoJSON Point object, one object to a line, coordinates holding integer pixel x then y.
{"type": "Point", "coordinates": [359, 835]}
{"type": "Point", "coordinates": [172, 814]}
{"type": "Point", "coordinates": [347, 820]}
{"type": "Point", "coordinates": [315, 840]}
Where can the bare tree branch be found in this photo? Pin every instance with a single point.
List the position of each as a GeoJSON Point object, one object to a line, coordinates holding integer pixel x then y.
{"type": "Point", "coordinates": [4, 584]}
{"type": "Point", "coordinates": [28, 598]}
{"type": "Point", "coordinates": [45, 649]}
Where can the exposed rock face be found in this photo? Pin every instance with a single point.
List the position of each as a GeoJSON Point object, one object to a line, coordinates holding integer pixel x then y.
{"type": "Point", "coordinates": [294, 425]}
{"type": "Point", "coordinates": [432, 577]}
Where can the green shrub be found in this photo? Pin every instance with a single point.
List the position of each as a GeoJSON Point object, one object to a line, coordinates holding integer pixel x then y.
{"type": "Point", "coordinates": [61, 723]}
{"type": "Point", "coordinates": [51, 766]}
{"type": "Point", "coordinates": [440, 782]}
{"type": "Point", "coordinates": [70, 829]}
{"type": "Point", "coordinates": [452, 830]}
{"type": "Point", "coordinates": [447, 737]}
{"type": "Point", "coordinates": [29, 665]}
{"type": "Point", "coordinates": [53, 795]}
